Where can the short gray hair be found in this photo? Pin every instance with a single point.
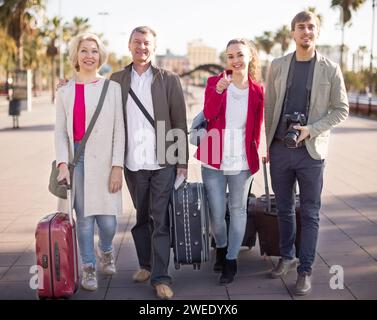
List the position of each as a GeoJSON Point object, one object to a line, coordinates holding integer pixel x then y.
{"type": "Point", "coordinates": [74, 49]}
{"type": "Point", "coordinates": [143, 30]}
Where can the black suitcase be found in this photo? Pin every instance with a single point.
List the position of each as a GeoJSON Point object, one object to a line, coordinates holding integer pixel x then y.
{"type": "Point", "coordinates": [250, 236]}
{"type": "Point", "coordinates": [266, 221]}
{"type": "Point", "coordinates": [189, 222]}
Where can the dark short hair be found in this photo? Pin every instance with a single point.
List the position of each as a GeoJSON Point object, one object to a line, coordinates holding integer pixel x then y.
{"type": "Point", "coordinates": [304, 16]}
{"type": "Point", "coordinates": [143, 30]}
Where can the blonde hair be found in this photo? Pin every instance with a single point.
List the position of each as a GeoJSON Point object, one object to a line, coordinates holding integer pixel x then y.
{"type": "Point", "coordinates": [254, 64]}
{"type": "Point", "coordinates": [74, 49]}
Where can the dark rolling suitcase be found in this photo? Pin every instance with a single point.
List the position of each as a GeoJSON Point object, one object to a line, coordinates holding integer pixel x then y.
{"type": "Point", "coordinates": [56, 250]}
{"type": "Point", "coordinates": [266, 221]}
{"type": "Point", "coordinates": [189, 221]}
{"type": "Point", "coordinates": [250, 236]}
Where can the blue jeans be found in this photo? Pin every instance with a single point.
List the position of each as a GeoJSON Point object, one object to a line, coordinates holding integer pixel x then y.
{"type": "Point", "coordinates": [107, 224]}
{"type": "Point", "coordinates": [215, 184]}
{"type": "Point", "coordinates": [287, 166]}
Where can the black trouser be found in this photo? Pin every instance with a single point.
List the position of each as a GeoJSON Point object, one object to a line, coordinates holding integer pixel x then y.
{"type": "Point", "coordinates": [287, 166]}
{"type": "Point", "coordinates": [150, 191]}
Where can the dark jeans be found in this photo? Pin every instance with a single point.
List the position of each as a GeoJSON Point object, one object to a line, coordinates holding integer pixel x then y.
{"type": "Point", "coordinates": [150, 191]}
{"type": "Point", "coordinates": [287, 166]}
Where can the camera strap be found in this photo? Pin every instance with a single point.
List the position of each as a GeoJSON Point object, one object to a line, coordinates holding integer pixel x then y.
{"type": "Point", "coordinates": [309, 82]}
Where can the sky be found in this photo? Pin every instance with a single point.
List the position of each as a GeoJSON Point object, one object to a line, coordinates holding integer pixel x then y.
{"type": "Point", "coordinates": [214, 21]}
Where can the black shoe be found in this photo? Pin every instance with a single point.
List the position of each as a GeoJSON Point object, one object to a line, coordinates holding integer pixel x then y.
{"type": "Point", "coordinates": [220, 259]}
{"type": "Point", "coordinates": [229, 271]}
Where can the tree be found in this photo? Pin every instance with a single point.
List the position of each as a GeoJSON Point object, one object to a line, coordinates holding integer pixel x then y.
{"type": "Point", "coordinates": [283, 37]}
{"type": "Point", "coordinates": [8, 50]}
{"type": "Point", "coordinates": [315, 12]}
{"type": "Point", "coordinates": [265, 42]}
{"type": "Point", "coordinates": [346, 7]}
{"type": "Point", "coordinates": [51, 34]}
{"type": "Point", "coordinates": [15, 18]}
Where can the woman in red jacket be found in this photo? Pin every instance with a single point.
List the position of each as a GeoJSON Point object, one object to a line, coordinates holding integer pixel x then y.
{"type": "Point", "coordinates": [233, 107]}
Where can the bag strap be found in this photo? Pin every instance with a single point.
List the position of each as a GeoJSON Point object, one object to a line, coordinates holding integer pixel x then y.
{"type": "Point", "coordinates": [81, 147]}
{"type": "Point", "coordinates": [141, 107]}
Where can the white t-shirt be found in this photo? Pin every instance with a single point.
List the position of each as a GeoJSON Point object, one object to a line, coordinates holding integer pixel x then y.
{"type": "Point", "coordinates": [234, 152]}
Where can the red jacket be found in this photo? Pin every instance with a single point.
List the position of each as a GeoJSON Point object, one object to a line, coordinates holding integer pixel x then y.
{"type": "Point", "coordinates": [211, 146]}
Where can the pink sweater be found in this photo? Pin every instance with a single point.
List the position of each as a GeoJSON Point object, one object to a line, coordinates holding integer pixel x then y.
{"type": "Point", "coordinates": [79, 113]}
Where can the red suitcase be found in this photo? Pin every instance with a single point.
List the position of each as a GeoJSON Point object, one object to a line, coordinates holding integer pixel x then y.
{"type": "Point", "coordinates": [56, 250]}
{"type": "Point", "coordinates": [266, 221]}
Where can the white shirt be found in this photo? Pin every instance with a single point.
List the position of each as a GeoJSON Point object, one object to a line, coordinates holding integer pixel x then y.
{"type": "Point", "coordinates": [234, 152]}
{"type": "Point", "coordinates": [141, 144]}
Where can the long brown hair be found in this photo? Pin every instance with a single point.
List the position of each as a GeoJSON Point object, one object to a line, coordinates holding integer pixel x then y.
{"type": "Point", "coordinates": [254, 64]}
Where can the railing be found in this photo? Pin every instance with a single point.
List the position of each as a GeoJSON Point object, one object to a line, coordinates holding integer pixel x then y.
{"type": "Point", "coordinates": [363, 104]}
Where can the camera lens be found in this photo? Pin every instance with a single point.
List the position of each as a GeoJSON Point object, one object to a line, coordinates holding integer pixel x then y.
{"type": "Point", "coordinates": [290, 140]}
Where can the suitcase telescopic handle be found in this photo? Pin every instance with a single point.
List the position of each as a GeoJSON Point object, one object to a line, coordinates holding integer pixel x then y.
{"type": "Point", "coordinates": [69, 189]}
{"type": "Point", "coordinates": [266, 187]}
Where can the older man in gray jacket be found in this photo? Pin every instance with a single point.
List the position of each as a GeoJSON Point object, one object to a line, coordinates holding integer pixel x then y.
{"type": "Point", "coordinates": [305, 99]}
{"type": "Point", "coordinates": [153, 156]}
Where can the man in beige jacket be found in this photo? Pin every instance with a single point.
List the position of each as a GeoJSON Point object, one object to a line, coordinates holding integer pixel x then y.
{"type": "Point", "coordinates": [152, 157]}
{"type": "Point", "coordinates": [305, 99]}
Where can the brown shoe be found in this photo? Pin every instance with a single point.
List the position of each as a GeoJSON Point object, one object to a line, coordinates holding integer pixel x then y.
{"type": "Point", "coordinates": [141, 275]}
{"type": "Point", "coordinates": [163, 291]}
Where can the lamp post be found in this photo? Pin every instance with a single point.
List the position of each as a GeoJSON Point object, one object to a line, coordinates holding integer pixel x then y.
{"type": "Point", "coordinates": [371, 49]}
{"type": "Point", "coordinates": [104, 14]}
{"type": "Point", "coordinates": [61, 56]}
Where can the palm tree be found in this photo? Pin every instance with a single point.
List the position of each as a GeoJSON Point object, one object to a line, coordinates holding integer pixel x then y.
{"type": "Point", "coordinates": [8, 50]}
{"type": "Point", "coordinates": [265, 42]}
{"type": "Point", "coordinates": [283, 37]}
{"type": "Point", "coordinates": [77, 26]}
{"type": "Point", "coordinates": [15, 18]}
{"type": "Point", "coordinates": [51, 34]}
{"type": "Point", "coordinates": [314, 11]}
{"type": "Point", "coordinates": [346, 8]}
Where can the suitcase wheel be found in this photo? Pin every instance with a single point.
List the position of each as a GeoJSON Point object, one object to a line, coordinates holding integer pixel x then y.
{"type": "Point", "coordinates": [196, 266]}
{"type": "Point", "coordinates": [177, 266]}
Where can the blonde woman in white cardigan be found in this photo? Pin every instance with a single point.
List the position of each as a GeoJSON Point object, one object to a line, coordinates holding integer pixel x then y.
{"type": "Point", "coordinates": [97, 179]}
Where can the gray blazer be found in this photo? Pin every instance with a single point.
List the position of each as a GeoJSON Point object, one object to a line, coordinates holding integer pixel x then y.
{"type": "Point", "coordinates": [328, 103]}
{"type": "Point", "coordinates": [168, 106]}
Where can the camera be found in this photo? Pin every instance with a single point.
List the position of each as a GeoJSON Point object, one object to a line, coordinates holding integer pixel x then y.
{"type": "Point", "coordinates": [292, 134]}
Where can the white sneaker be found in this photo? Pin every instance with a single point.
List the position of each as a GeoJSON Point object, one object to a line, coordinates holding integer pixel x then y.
{"type": "Point", "coordinates": [106, 261]}
{"type": "Point", "coordinates": [89, 278]}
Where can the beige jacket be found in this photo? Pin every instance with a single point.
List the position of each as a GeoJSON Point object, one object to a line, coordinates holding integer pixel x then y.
{"type": "Point", "coordinates": [328, 103]}
{"type": "Point", "coordinates": [104, 148]}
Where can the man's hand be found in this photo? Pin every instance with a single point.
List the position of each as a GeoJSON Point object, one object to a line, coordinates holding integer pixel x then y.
{"type": "Point", "coordinates": [182, 172]}
{"type": "Point", "coordinates": [62, 82]}
{"type": "Point", "coordinates": [304, 132]}
{"type": "Point", "coordinates": [115, 183]}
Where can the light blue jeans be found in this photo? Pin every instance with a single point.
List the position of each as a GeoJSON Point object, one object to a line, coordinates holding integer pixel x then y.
{"type": "Point", "coordinates": [107, 224]}
{"type": "Point", "coordinates": [215, 184]}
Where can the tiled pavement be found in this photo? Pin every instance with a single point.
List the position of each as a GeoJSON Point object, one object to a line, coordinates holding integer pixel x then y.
{"type": "Point", "coordinates": [348, 226]}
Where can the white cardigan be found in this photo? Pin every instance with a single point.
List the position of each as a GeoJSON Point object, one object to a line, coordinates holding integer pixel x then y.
{"type": "Point", "coordinates": [104, 148]}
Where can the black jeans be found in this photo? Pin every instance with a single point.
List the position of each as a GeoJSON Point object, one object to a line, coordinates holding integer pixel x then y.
{"type": "Point", "coordinates": [150, 192]}
{"type": "Point", "coordinates": [287, 166]}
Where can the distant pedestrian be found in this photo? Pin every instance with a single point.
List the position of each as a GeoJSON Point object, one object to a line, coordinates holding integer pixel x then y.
{"type": "Point", "coordinates": [233, 106]}
{"type": "Point", "coordinates": [97, 179]}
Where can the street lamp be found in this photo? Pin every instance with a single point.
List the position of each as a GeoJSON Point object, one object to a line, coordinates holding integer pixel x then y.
{"type": "Point", "coordinates": [104, 14]}
{"type": "Point", "coordinates": [371, 49]}
{"type": "Point", "coordinates": [61, 56]}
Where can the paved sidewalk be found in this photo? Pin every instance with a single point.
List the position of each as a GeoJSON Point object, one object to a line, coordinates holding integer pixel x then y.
{"type": "Point", "coordinates": [348, 225]}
